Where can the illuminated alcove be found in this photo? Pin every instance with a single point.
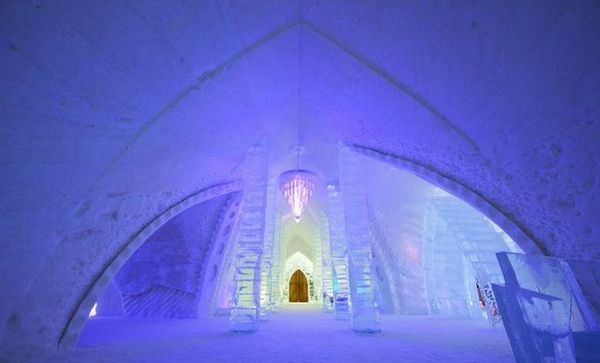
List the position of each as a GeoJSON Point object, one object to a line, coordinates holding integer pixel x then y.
{"type": "Point", "coordinates": [423, 264]}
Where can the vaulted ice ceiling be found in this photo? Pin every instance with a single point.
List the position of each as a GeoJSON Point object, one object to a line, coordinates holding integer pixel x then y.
{"type": "Point", "coordinates": [114, 112]}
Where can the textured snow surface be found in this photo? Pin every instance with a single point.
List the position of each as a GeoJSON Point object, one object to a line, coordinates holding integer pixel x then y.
{"type": "Point", "coordinates": [107, 120]}
{"type": "Point", "coordinates": [296, 334]}
{"type": "Point", "coordinates": [170, 264]}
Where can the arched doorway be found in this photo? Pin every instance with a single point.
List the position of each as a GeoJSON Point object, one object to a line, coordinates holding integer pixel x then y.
{"type": "Point", "coordinates": [298, 291]}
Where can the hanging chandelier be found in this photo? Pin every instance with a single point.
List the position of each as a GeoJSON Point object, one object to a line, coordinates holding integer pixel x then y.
{"type": "Point", "coordinates": [297, 187]}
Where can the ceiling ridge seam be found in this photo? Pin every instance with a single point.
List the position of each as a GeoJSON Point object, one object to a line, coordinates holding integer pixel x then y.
{"type": "Point", "coordinates": [172, 103]}
{"type": "Point", "coordinates": [389, 78]}
{"type": "Point", "coordinates": [211, 73]}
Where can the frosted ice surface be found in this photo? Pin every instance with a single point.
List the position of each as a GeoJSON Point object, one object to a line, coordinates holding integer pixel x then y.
{"type": "Point", "coordinates": [541, 305]}
{"type": "Point", "coordinates": [246, 302]}
{"type": "Point", "coordinates": [365, 316]}
{"type": "Point", "coordinates": [551, 276]}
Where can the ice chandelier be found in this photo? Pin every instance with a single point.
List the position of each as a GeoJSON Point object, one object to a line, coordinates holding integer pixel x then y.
{"type": "Point", "coordinates": [297, 187]}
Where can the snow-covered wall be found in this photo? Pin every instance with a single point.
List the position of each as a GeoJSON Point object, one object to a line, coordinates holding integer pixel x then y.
{"type": "Point", "coordinates": [112, 112]}
{"type": "Point", "coordinates": [163, 276]}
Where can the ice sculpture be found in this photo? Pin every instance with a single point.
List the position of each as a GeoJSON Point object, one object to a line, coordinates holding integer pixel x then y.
{"type": "Point", "coordinates": [339, 258]}
{"type": "Point", "coordinates": [541, 305]}
{"type": "Point", "coordinates": [587, 274]}
{"type": "Point", "coordinates": [244, 312]}
{"type": "Point", "coordinates": [365, 317]}
{"type": "Point", "coordinates": [537, 325]}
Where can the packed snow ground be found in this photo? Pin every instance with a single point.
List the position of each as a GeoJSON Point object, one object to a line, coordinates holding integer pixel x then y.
{"type": "Point", "coordinates": [299, 333]}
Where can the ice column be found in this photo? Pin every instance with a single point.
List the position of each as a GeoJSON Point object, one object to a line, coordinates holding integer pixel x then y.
{"type": "Point", "coordinates": [326, 263]}
{"type": "Point", "coordinates": [339, 256]}
{"type": "Point", "coordinates": [277, 261]}
{"type": "Point", "coordinates": [365, 317]}
{"type": "Point", "coordinates": [244, 311]}
{"type": "Point", "coordinates": [317, 293]}
{"type": "Point", "coordinates": [266, 266]}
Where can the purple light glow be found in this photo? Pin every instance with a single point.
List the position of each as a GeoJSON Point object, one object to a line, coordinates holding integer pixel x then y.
{"type": "Point", "coordinates": [297, 187]}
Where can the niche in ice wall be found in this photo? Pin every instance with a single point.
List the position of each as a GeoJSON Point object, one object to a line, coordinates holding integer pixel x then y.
{"type": "Point", "coordinates": [301, 244]}
{"type": "Point", "coordinates": [163, 278]}
{"type": "Point", "coordinates": [299, 261]}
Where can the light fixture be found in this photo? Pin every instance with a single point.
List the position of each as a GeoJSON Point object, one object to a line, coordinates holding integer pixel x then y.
{"type": "Point", "coordinates": [297, 187]}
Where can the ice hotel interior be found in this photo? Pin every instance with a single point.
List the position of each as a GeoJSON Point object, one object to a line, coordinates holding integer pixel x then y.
{"type": "Point", "coordinates": [299, 181]}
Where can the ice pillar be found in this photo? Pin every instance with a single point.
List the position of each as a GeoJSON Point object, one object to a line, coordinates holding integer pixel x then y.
{"type": "Point", "coordinates": [339, 257]}
{"type": "Point", "coordinates": [365, 317]}
{"type": "Point", "coordinates": [317, 294]}
{"type": "Point", "coordinates": [266, 266]}
{"type": "Point", "coordinates": [276, 290]}
{"type": "Point", "coordinates": [326, 263]}
{"type": "Point", "coordinates": [244, 312]}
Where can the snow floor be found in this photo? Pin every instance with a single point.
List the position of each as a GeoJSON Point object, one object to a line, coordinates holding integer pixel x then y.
{"type": "Point", "coordinates": [298, 333]}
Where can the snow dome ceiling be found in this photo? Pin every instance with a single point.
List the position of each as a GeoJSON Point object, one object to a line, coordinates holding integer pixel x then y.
{"type": "Point", "coordinates": [114, 111]}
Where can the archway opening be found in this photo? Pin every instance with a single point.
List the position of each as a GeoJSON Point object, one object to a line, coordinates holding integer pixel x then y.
{"type": "Point", "coordinates": [298, 288]}
{"type": "Point", "coordinates": [175, 273]}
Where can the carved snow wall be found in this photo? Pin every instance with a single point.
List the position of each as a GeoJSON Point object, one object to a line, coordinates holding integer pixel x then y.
{"type": "Point", "coordinates": [163, 278]}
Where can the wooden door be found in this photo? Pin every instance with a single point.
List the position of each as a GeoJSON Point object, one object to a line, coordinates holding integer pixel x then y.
{"type": "Point", "coordinates": [298, 291]}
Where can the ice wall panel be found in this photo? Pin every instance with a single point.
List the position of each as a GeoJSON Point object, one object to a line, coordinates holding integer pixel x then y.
{"type": "Point", "coordinates": [250, 245]}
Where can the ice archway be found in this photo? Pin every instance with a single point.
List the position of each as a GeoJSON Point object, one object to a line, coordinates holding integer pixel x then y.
{"type": "Point", "coordinates": [111, 120]}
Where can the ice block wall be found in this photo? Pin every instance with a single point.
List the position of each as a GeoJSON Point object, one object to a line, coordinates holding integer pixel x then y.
{"type": "Point", "coordinates": [250, 244]}
{"type": "Point", "coordinates": [365, 316]}
{"type": "Point", "coordinates": [339, 254]}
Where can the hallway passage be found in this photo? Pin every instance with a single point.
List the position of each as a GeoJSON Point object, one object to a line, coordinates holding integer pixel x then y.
{"type": "Point", "coordinates": [299, 333]}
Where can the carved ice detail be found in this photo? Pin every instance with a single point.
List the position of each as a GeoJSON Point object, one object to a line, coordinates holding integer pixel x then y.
{"type": "Point", "coordinates": [365, 317]}
{"type": "Point", "coordinates": [244, 312]}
